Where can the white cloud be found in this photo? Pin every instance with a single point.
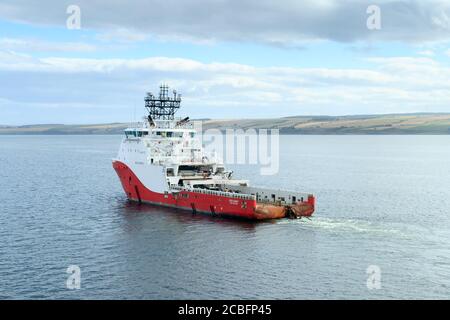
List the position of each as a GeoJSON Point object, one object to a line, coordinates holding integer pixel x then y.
{"type": "Point", "coordinates": [68, 85]}
{"type": "Point", "coordinates": [283, 23]}
{"type": "Point", "coordinates": [122, 35]}
{"type": "Point", "coordinates": [16, 44]}
{"type": "Point", "coordinates": [428, 53]}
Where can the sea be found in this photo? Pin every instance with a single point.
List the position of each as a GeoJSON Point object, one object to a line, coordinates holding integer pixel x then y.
{"type": "Point", "coordinates": [381, 229]}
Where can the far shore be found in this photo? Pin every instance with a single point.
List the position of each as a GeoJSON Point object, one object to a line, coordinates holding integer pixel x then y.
{"type": "Point", "coordinates": [394, 124]}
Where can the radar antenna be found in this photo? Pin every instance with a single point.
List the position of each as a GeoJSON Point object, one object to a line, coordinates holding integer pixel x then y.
{"type": "Point", "coordinates": [162, 107]}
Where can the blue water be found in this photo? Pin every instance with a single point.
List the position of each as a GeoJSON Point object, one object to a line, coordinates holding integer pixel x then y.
{"type": "Point", "coordinates": [381, 200]}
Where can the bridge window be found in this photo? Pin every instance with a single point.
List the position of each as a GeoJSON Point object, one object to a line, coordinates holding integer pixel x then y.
{"type": "Point", "coordinates": [130, 133]}
{"type": "Point", "coordinates": [169, 134]}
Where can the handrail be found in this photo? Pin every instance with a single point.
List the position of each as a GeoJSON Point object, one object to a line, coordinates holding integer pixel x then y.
{"type": "Point", "coordinates": [219, 193]}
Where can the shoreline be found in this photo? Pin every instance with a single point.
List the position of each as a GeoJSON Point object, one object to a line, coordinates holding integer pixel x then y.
{"type": "Point", "coordinates": [391, 124]}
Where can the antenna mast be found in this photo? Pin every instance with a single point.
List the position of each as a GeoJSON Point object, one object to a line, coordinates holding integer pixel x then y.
{"type": "Point", "coordinates": [162, 107]}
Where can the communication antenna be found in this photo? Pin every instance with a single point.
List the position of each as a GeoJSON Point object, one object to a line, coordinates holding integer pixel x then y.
{"type": "Point", "coordinates": [162, 107]}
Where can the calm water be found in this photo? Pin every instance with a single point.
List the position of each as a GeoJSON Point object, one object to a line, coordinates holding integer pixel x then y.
{"type": "Point", "coordinates": [382, 200]}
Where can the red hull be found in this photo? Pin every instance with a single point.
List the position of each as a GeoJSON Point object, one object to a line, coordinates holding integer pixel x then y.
{"type": "Point", "coordinates": [199, 202]}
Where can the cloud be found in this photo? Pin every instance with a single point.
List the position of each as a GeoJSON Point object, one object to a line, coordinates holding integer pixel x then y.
{"type": "Point", "coordinates": [99, 90]}
{"type": "Point", "coordinates": [35, 45]}
{"type": "Point", "coordinates": [122, 35]}
{"type": "Point", "coordinates": [428, 53]}
{"type": "Point", "coordinates": [288, 23]}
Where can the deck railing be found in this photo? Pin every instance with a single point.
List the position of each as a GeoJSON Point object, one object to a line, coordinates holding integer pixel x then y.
{"type": "Point", "coordinates": [215, 192]}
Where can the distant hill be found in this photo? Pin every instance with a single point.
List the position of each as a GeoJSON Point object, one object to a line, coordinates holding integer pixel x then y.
{"type": "Point", "coordinates": [110, 128]}
{"type": "Point", "coordinates": [420, 123]}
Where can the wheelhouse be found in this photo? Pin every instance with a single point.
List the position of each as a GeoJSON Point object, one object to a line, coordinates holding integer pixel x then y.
{"type": "Point", "coordinates": [136, 133]}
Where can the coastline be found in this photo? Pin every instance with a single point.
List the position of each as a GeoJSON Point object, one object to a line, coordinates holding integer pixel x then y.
{"type": "Point", "coordinates": [394, 124]}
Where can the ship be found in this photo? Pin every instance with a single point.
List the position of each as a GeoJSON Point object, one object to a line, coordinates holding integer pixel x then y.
{"type": "Point", "coordinates": [161, 161]}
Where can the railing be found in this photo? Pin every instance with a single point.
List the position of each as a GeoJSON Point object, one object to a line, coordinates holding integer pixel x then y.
{"type": "Point", "coordinates": [218, 193]}
{"type": "Point", "coordinates": [172, 124]}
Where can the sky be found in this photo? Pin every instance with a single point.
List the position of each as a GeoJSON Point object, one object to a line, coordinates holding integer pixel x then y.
{"type": "Point", "coordinates": [228, 59]}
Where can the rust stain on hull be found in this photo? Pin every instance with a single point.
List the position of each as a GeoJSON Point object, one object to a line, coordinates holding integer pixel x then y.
{"type": "Point", "coordinates": [302, 210]}
{"type": "Point", "coordinates": [269, 211]}
{"type": "Point", "coordinates": [273, 211]}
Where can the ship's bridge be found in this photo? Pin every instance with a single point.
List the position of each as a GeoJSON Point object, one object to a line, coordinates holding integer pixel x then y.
{"type": "Point", "coordinates": [148, 125]}
{"type": "Point", "coordinates": [165, 139]}
{"type": "Point", "coordinates": [169, 142]}
{"type": "Point", "coordinates": [136, 132]}
{"type": "Point", "coordinates": [159, 133]}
